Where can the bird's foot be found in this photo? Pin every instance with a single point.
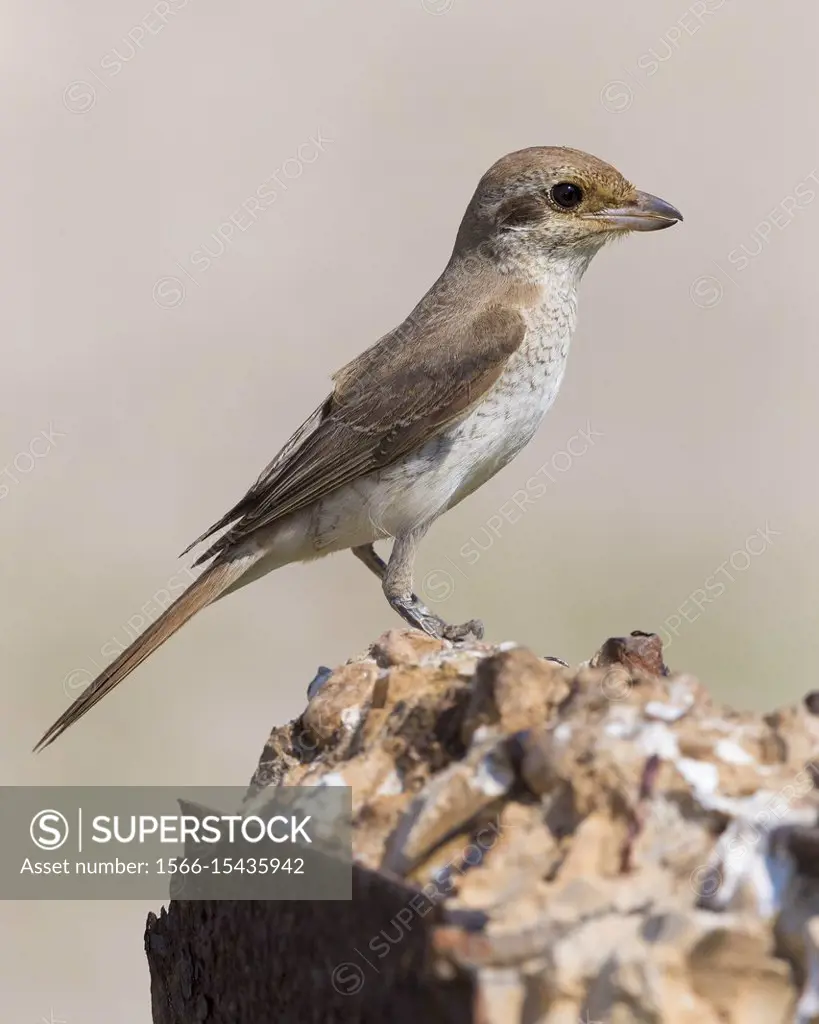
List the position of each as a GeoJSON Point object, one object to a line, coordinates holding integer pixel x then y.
{"type": "Point", "coordinates": [473, 628]}
{"type": "Point", "coordinates": [420, 617]}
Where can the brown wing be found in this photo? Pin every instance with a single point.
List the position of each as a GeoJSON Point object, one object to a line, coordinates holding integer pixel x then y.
{"type": "Point", "coordinates": [387, 402]}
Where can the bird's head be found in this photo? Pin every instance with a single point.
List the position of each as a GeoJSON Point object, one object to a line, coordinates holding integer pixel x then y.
{"type": "Point", "coordinates": [546, 205]}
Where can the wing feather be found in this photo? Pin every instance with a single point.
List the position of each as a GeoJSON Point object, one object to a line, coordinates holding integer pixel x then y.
{"type": "Point", "coordinates": [388, 402]}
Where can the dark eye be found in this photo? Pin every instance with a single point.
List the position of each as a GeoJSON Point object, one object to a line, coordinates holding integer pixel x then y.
{"type": "Point", "coordinates": [567, 195]}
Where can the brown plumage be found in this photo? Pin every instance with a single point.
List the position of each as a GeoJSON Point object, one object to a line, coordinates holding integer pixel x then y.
{"type": "Point", "coordinates": [412, 392]}
{"type": "Point", "coordinates": [419, 420]}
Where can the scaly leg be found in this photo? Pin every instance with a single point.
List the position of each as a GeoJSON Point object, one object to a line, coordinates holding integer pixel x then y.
{"type": "Point", "coordinates": [396, 579]}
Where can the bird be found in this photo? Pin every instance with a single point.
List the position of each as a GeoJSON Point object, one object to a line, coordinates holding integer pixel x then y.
{"type": "Point", "coordinates": [433, 409]}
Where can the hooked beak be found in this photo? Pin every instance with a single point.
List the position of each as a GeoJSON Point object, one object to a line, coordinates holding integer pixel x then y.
{"type": "Point", "coordinates": [644, 213]}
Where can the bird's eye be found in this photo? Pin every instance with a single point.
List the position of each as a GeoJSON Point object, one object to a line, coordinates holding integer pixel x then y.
{"type": "Point", "coordinates": [567, 195]}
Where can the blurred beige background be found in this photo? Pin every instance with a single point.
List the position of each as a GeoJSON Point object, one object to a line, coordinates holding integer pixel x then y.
{"type": "Point", "coordinates": [164, 384]}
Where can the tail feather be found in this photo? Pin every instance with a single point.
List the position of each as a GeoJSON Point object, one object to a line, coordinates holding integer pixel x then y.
{"type": "Point", "coordinates": [200, 593]}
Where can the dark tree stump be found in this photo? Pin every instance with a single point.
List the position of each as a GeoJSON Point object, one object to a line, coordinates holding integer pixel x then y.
{"type": "Point", "coordinates": [291, 962]}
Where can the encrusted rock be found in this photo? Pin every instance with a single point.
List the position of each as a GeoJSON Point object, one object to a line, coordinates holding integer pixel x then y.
{"type": "Point", "coordinates": [404, 647]}
{"type": "Point", "coordinates": [604, 843]}
{"type": "Point", "coordinates": [514, 690]}
{"type": "Point", "coordinates": [341, 702]}
{"type": "Point", "coordinates": [643, 651]}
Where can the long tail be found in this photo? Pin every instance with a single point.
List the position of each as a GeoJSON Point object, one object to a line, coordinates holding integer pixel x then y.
{"type": "Point", "coordinates": [213, 582]}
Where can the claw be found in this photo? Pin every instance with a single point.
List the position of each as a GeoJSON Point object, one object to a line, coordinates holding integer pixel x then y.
{"type": "Point", "coordinates": [419, 616]}
{"type": "Point", "coordinates": [472, 628]}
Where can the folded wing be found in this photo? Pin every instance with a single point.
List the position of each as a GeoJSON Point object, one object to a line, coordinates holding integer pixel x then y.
{"type": "Point", "coordinates": [389, 401]}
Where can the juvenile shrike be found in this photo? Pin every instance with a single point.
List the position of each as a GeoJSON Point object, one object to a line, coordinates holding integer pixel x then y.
{"type": "Point", "coordinates": [432, 410]}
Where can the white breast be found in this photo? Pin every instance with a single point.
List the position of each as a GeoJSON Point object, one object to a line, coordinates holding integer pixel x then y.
{"type": "Point", "coordinates": [452, 465]}
{"type": "Point", "coordinates": [509, 416]}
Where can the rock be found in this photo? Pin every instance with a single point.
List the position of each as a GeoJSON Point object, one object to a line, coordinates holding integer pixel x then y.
{"type": "Point", "coordinates": [450, 802]}
{"type": "Point", "coordinates": [340, 705]}
{"type": "Point", "coordinates": [643, 651]}
{"type": "Point", "coordinates": [604, 843]}
{"type": "Point", "coordinates": [404, 647]}
{"type": "Point", "coordinates": [514, 690]}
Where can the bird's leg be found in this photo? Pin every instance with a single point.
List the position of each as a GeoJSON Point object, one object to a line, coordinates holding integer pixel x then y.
{"type": "Point", "coordinates": [376, 564]}
{"type": "Point", "coordinates": [396, 580]}
{"type": "Point", "coordinates": [397, 586]}
{"type": "Point", "coordinates": [370, 557]}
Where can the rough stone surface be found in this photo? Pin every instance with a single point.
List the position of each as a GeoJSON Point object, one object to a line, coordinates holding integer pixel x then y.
{"type": "Point", "coordinates": [534, 844]}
